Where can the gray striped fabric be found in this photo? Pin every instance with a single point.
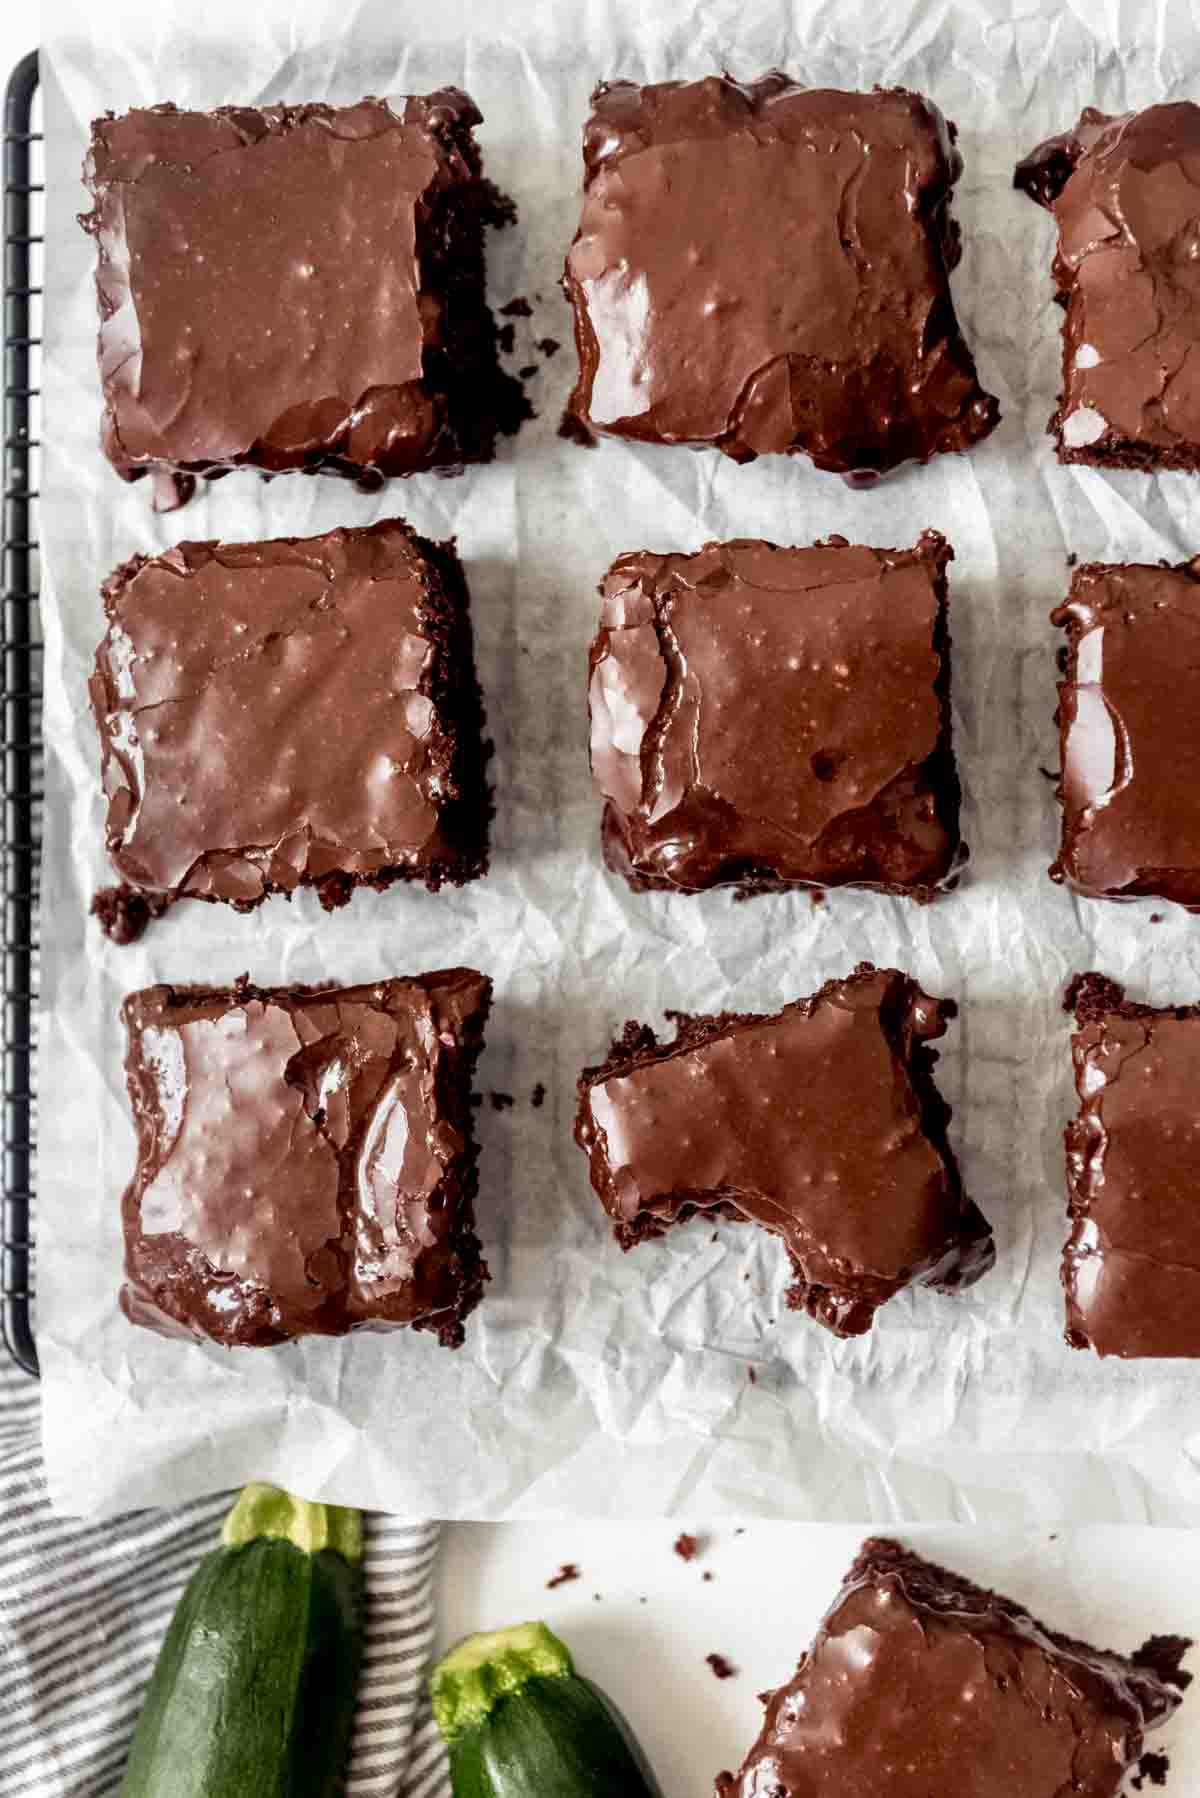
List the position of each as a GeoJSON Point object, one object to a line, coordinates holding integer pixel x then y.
{"type": "Point", "coordinates": [83, 1608]}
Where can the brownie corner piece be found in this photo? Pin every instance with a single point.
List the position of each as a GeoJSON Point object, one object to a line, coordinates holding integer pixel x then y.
{"type": "Point", "coordinates": [727, 291]}
{"type": "Point", "coordinates": [1129, 287]}
{"type": "Point", "coordinates": [767, 717]}
{"type": "Point", "coordinates": [1130, 1264]}
{"type": "Point", "coordinates": [336, 674]}
{"type": "Point", "coordinates": [296, 287]}
{"type": "Point", "coordinates": [1128, 697]}
{"type": "Point", "coordinates": [306, 1163]}
{"type": "Point", "coordinates": [957, 1678]}
{"type": "Point", "coordinates": [848, 1161]}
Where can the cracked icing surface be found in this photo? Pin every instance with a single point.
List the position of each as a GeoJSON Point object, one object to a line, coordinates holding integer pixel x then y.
{"type": "Point", "coordinates": [768, 716]}
{"type": "Point", "coordinates": [273, 290]}
{"type": "Point", "coordinates": [305, 1162]}
{"type": "Point", "coordinates": [331, 675]}
{"type": "Point", "coordinates": [1130, 786]}
{"type": "Point", "coordinates": [1131, 1267]}
{"type": "Point", "coordinates": [919, 1683]}
{"type": "Point", "coordinates": [1125, 193]}
{"type": "Point", "coordinates": [764, 268]}
{"type": "Point", "coordinates": [820, 1124]}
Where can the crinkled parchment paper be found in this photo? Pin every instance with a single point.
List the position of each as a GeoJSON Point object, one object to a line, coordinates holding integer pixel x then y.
{"type": "Point", "coordinates": [591, 1382]}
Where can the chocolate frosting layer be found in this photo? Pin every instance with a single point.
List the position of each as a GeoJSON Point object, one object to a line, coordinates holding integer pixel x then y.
{"type": "Point", "coordinates": [296, 287]}
{"type": "Point", "coordinates": [305, 1160]}
{"type": "Point", "coordinates": [821, 1124]}
{"type": "Point", "coordinates": [1130, 786]}
{"type": "Point", "coordinates": [296, 712]}
{"type": "Point", "coordinates": [1125, 193]}
{"type": "Point", "coordinates": [1131, 1267]}
{"type": "Point", "coordinates": [920, 1684]}
{"type": "Point", "coordinates": [764, 268]}
{"type": "Point", "coordinates": [776, 717]}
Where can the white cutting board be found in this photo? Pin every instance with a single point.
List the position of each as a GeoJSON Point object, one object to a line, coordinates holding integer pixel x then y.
{"type": "Point", "coordinates": [1111, 1586]}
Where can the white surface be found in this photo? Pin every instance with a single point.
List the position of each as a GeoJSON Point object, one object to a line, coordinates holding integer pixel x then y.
{"type": "Point", "coordinates": [593, 1382]}
{"type": "Point", "coordinates": [1111, 1587]}
{"type": "Point", "coordinates": [18, 34]}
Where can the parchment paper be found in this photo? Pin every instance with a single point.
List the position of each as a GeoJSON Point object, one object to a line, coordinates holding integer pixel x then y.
{"type": "Point", "coordinates": [593, 1383]}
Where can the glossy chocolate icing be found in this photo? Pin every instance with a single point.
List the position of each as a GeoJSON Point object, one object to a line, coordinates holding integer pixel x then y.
{"type": "Point", "coordinates": [1128, 702]}
{"type": "Point", "coordinates": [296, 287]}
{"type": "Point", "coordinates": [773, 717]}
{"type": "Point", "coordinates": [922, 1685]}
{"type": "Point", "coordinates": [305, 1160]}
{"type": "Point", "coordinates": [1131, 1268]}
{"type": "Point", "coordinates": [763, 268]}
{"type": "Point", "coordinates": [821, 1124]}
{"type": "Point", "coordinates": [296, 712]}
{"type": "Point", "coordinates": [1125, 193]}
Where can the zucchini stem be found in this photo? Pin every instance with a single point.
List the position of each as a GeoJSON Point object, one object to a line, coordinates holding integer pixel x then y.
{"type": "Point", "coordinates": [263, 1510]}
{"type": "Point", "coordinates": [492, 1665]}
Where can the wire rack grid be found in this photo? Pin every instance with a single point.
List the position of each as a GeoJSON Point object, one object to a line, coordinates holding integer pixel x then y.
{"type": "Point", "coordinates": [20, 840]}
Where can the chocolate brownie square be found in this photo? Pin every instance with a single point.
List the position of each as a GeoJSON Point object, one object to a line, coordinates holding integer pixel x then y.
{"type": "Point", "coordinates": [821, 1124]}
{"type": "Point", "coordinates": [764, 268]}
{"type": "Point", "coordinates": [1128, 712]}
{"type": "Point", "coordinates": [289, 287]}
{"type": "Point", "coordinates": [1125, 194]}
{"type": "Point", "coordinates": [305, 1158]}
{"type": "Point", "coordinates": [771, 718]}
{"type": "Point", "coordinates": [302, 712]}
{"type": "Point", "coordinates": [920, 1684]}
{"type": "Point", "coordinates": [1131, 1267]}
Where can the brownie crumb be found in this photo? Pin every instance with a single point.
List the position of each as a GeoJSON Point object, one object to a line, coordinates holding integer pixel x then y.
{"type": "Point", "coordinates": [687, 1547]}
{"type": "Point", "coordinates": [566, 1573]}
{"type": "Point", "coordinates": [1047, 773]}
{"type": "Point", "coordinates": [502, 1101]}
{"type": "Point", "coordinates": [517, 308]}
{"type": "Point", "coordinates": [1156, 917]}
{"type": "Point", "coordinates": [1153, 1766]}
{"type": "Point", "coordinates": [476, 1100]}
{"type": "Point", "coordinates": [530, 369]}
{"type": "Point", "coordinates": [575, 431]}
{"type": "Point", "coordinates": [722, 1669]}
{"type": "Point", "coordinates": [506, 337]}
{"type": "Point", "coordinates": [706, 1577]}
{"type": "Point", "coordinates": [1072, 559]}
{"type": "Point", "coordinates": [753, 1376]}
{"type": "Point", "coordinates": [170, 489]}
{"type": "Point", "coordinates": [818, 895]}
{"type": "Point", "coordinates": [1163, 1655]}
{"type": "Point", "coordinates": [549, 346]}
{"type": "Point", "coordinates": [1092, 996]}
{"type": "Point", "coordinates": [124, 912]}
{"type": "Point", "coordinates": [537, 1097]}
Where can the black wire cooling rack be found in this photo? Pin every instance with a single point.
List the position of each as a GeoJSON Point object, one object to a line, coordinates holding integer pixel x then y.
{"type": "Point", "coordinates": [20, 841]}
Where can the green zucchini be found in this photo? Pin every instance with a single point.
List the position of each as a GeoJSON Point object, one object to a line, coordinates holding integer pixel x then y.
{"type": "Point", "coordinates": [521, 1723]}
{"type": "Point", "coordinates": [254, 1690]}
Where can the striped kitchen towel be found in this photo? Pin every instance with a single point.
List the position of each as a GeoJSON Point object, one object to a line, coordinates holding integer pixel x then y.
{"type": "Point", "coordinates": [83, 1608]}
